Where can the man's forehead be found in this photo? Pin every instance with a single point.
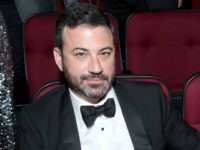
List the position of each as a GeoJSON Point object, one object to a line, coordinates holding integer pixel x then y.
{"type": "Point", "coordinates": [85, 26]}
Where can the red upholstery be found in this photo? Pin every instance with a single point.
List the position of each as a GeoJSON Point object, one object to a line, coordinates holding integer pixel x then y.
{"type": "Point", "coordinates": [38, 45]}
{"type": "Point", "coordinates": [148, 78]}
{"type": "Point", "coordinates": [191, 97]}
{"type": "Point", "coordinates": [119, 67]}
{"type": "Point", "coordinates": [164, 44]}
{"type": "Point", "coordinates": [45, 89]}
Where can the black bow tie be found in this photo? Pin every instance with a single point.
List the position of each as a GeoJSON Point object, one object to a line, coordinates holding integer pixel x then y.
{"type": "Point", "coordinates": [90, 113]}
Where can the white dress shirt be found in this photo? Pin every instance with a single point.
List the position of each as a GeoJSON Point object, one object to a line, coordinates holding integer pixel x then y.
{"type": "Point", "coordinates": [106, 133]}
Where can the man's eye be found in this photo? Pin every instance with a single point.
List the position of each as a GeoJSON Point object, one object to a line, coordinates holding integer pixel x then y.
{"type": "Point", "coordinates": [105, 54]}
{"type": "Point", "coordinates": [80, 54]}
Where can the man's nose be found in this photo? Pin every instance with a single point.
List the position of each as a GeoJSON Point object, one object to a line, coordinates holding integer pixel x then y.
{"type": "Point", "coordinates": [95, 65]}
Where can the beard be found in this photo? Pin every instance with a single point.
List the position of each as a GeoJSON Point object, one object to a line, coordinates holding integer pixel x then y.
{"type": "Point", "coordinates": [90, 91]}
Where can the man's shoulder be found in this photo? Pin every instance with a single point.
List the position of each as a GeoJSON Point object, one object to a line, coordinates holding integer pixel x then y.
{"type": "Point", "coordinates": [135, 84]}
{"type": "Point", "coordinates": [139, 89]}
{"type": "Point", "coordinates": [48, 106]}
{"type": "Point", "coordinates": [51, 98]}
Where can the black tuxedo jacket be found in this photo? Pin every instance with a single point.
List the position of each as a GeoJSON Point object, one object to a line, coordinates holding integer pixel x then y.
{"type": "Point", "coordinates": [49, 124]}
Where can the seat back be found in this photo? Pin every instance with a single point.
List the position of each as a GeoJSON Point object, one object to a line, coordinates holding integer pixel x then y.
{"type": "Point", "coordinates": [44, 89]}
{"type": "Point", "coordinates": [164, 44]}
{"type": "Point", "coordinates": [119, 66]}
{"type": "Point", "coordinates": [191, 101]}
{"type": "Point", "coordinates": [38, 50]}
{"type": "Point", "coordinates": [150, 79]}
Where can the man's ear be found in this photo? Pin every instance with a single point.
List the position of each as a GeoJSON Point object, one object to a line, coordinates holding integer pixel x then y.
{"type": "Point", "coordinates": [58, 58]}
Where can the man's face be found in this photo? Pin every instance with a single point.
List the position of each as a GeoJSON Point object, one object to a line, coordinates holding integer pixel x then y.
{"type": "Point", "coordinates": [88, 60]}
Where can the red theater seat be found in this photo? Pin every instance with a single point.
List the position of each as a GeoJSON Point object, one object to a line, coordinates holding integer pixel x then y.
{"type": "Point", "coordinates": [165, 44]}
{"type": "Point", "coordinates": [191, 99]}
{"type": "Point", "coordinates": [38, 49]}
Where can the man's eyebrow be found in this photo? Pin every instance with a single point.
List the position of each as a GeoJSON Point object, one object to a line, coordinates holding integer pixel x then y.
{"type": "Point", "coordinates": [105, 48]}
{"type": "Point", "coordinates": [84, 49]}
{"type": "Point", "coordinates": [79, 48]}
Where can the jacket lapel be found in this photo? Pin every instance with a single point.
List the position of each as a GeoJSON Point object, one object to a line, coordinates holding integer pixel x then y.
{"type": "Point", "coordinates": [69, 130]}
{"type": "Point", "coordinates": [133, 120]}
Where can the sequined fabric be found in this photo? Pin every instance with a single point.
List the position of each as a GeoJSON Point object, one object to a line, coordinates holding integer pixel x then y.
{"type": "Point", "coordinates": [7, 117]}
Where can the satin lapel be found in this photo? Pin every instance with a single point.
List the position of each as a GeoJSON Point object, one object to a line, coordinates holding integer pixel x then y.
{"type": "Point", "coordinates": [133, 120]}
{"type": "Point", "coordinates": [69, 131]}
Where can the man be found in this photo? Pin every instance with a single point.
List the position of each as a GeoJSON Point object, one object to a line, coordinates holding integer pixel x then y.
{"type": "Point", "coordinates": [135, 116]}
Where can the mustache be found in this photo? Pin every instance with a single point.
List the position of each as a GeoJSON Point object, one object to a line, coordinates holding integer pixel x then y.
{"type": "Point", "coordinates": [91, 76]}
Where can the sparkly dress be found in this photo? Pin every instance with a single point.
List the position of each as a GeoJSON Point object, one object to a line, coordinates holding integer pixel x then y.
{"type": "Point", "coordinates": [7, 117]}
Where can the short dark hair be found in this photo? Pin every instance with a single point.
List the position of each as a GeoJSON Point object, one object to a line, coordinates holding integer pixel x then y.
{"type": "Point", "coordinates": [80, 13]}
